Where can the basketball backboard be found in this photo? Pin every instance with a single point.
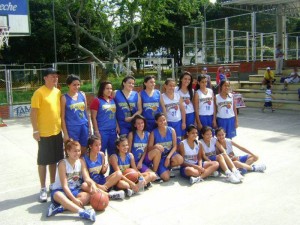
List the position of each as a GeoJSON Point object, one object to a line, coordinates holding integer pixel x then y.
{"type": "Point", "coordinates": [14, 14]}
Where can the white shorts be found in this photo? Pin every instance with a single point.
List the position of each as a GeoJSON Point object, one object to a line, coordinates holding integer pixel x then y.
{"type": "Point", "coordinates": [292, 80]}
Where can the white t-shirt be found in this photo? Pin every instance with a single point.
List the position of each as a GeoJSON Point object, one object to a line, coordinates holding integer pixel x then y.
{"type": "Point", "coordinates": [172, 107]}
{"type": "Point", "coordinates": [225, 106]}
{"type": "Point", "coordinates": [206, 102]}
{"type": "Point", "coordinates": [188, 104]}
{"type": "Point", "coordinates": [211, 149]}
{"type": "Point", "coordinates": [190, 154]}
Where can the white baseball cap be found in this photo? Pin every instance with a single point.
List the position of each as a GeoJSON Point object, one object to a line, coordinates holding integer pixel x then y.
{"type": "Point", "coordinates": [268, 68]}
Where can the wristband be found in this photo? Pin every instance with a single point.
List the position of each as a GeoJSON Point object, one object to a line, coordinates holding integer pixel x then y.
{"type": "Point", "coordinates": [36, 131]}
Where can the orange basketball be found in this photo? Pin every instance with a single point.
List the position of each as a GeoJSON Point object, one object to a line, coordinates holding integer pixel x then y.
{"type": "Point", "coordinates": [131, 174]}
{"type": "Point", "coordinates": [99, 201]}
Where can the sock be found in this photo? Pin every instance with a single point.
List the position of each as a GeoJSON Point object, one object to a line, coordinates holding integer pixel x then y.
{"type": "Point", "coordinates": [234, 170]}
{"type": "Point", "coordinates": [80, 211]}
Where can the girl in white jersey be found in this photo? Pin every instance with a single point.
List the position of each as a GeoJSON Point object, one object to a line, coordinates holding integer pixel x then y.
{"type": "Point", "coordinates": [204, 104]}
{"type": "Point", "coordinates": [226, 111]}
{"type": "Point", "coordinates": [244, 162]}
{"type": "Point", "coordinates": [192, 152]}
{"type": "Point", "coordinates": [210, 146]}
{"type": "Point", "coordinates": [68, 191]}
{"type": "Point", "coordinates": [186, 92]}
{"type": "Point", "coordinates": [174, 107]}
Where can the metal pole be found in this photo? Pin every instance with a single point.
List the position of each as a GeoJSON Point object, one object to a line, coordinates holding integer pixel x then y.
{"type": "Point", "coordinates": [54, 31]}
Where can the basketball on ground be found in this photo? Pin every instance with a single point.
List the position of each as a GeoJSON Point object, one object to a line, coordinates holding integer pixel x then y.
{"type": "Point", "coordinates": [131, 174]}
{"type": "Point", "coordinates": [99, 201]}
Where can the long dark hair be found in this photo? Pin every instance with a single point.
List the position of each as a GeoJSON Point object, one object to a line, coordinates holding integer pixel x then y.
{"type": "Point", "coordinates": [102, 87]}
{"type": "Point", "coordinates": [190, 86]}
{"type": "Point", "coordinates": [71, 78]}
{"type": "Point", "coordinates": [199, 79]}
{"type": "Point", "coordinates": [148, 77]}
{"type": "Point", "coordinates": [126, 79]}
{"type": "Point", "coordinates": [221, 85]}
{"type": "Point", "coordinates": [118, 142]}
{"type": "Point", "coordinates": [135, 118]}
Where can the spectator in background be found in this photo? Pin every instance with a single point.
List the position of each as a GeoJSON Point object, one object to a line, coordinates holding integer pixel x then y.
{"type": "Point", "coordinates": [220, 75]}
{"type": "Point", "coordinates": [279, 59]}
{"type": "Point", "coordinates": [268, 78]}
{"type": "Point", "coordinates": [293, 78]}
{"type": "Point", "coordinates": [204, 72]}
{"type": "Point", "coordinates": [46, 124]}
{"type": "Point", "coordinates": [268, 99]}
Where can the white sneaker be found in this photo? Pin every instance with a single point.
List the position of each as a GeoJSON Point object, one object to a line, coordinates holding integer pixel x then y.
{"type": "Point", "coordinates": [116, 194]}
{"type": "Point", "coordinates": [129, 192]}
{"type": "Point", "coordinates": [259, 167]}
{"type": "Point", "coordinates": [194, 180]}
{"type": "Point", "coordinates": [238, 175]}
{"type": "Point", "coordinates": [215, 174]}
{"type": "Point", "coordinates": [232, 178]}
{"type": "Point", "coordinates": [43, 195]}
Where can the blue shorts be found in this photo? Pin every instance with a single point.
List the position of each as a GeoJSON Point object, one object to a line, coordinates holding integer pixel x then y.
{"type": "Point", "coordinates": [213, 157]}
{"type": "Point", "coordinates": [182, 170]}
{"type": "Point", "coordinates": [74, 191]}
{"type": "Point", "coordinates": [190, 119]}
{"type": "Point", "coordinates": [108, 138]}
{"type": "Point", "coordinates": [125, 128]}
{"type": "Point", "coordinates": [228, 125]}
{"type": "Point", "coordinates": [144, 167]}
{"type": "Point", "coordinates": [243, 158]}
{"type": "Point", "coordinates": [161, 167]}
{"type": "Point", "coordinates": [207, 120]}
{"type": "Point", "coordinates": [79, 133]}
{"type": "Point", "coordinates": [178, 129]}
{"type": "Point", "coordinates": [268, 104]}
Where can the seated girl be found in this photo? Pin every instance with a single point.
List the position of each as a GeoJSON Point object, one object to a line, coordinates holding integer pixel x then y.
{"type": "Point", "coordinates": [193, 167]}
{"type": "Point", "coordinates": [69, 191]}
{"type": "Point", "coordinates": [245, 162]}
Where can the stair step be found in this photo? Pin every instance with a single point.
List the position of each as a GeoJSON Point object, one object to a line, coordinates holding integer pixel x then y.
{"type": "Point", "coordinates": [277, 104]}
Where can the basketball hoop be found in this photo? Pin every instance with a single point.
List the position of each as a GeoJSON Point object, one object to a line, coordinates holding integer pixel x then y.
{"type": "Point", "coordinates": [4, 36]}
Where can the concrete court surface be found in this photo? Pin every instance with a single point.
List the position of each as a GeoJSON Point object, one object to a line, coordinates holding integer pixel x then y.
{"type": "Point", "coordinates": [268, 198]}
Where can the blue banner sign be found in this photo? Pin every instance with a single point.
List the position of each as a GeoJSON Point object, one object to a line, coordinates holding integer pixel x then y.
{"type": "Point", "coordinates": [13, 7]}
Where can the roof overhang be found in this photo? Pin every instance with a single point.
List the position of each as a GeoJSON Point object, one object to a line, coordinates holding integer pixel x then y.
{"type": "Point", "coordinates": [290, 8]}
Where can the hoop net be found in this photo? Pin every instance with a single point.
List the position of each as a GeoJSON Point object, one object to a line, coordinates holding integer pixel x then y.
{"type": "Point", "coordinates": [4, 36]}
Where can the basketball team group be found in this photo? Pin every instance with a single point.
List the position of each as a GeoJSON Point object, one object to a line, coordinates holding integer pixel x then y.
{"type": "Point", "coordinates": [186, 127]}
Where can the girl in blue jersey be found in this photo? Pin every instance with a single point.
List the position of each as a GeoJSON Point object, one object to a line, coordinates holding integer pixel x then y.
{"type": "Point", "coordinates": [103, 114]}
{"type": "Point", "coordinates": [164, 139]}
{"type": "Point", "coordinates": [128, 104]}
{"type": "Point", "coordinates": [174, 107]}
{"type": "Point", "coordinates": [210, 146]}
{"type": "Point", "coordinates": [97, 167]}
{"type": "Point", "coordinates": [244, 162]}
{"type": "Point", "coordinates": [193, 166]}
{"type": "Point", "coordinates": [69, 191]}
{"type": "Point", "coordinates": [204, 104]}
{"type": "Point", "coordinates": [138, 145]}
{"type": "Point", "coordinates": [186, 91]}
{"type": "Point", "coordinates": [226, 112]}
{"type": "Point", "coordinates": [74, 119]}
{"type": "Point", "coordinates": [120, 161]}
{"type": "Point", "coordinates": [152, 102]}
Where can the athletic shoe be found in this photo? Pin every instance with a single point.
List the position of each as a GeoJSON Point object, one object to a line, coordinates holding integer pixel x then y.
{"type": "Point", "coordinates": [149, 185]}
{"type": "Point", "coordinates": [158, 179]}
{"type": "Point", "coordinates": [273, 110]}
{"type": "Point", "coordinates": [238, 175]}
{"type": "Point", "coordinates": [172, 174]}
{"type": "Point", "coordinates": [194, 180]}
{"type": "Point", "coordinates": [232, 178]}
{"type": "Point", "coordinates": [114, 195]}
{"type": "Point", "coordinates": [243, 171]}
{"type": "Point", "coordinates": [54, 209]}
{"type": "Point", "coordinates": [259, 167]}
{"type": "Point", "coordinates": [43, 195]}
{"type": "Point", "coordinates": [128, 192]}
{"type": "Point", "coordinates": [215, 174]}
{"type": "Point", "coordinates": [88, 214]}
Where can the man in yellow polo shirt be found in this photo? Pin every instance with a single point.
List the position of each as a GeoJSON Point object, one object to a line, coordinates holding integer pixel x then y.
{"type": "Point", "coordinates": [46, 124]}
{"type": "Point", "coordinates": [268, 78]}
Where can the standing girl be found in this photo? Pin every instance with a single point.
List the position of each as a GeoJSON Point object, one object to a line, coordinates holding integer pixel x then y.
{"type": "Point", "coordinates": [175, 108]}
{"type": "Point", "coordinates": [152, 102]}
{"type": "Point", "coordinates": [210, 146]}
{"type": "Point", "coordinates": [103, 113]}
{"type": "Point", "coordinates": [128, 104]}
{"type": "Point", "coordinates": [164, 139]}
{"type": "Point", "coordinates": [186, 91]}
{"type": "Point", "coordinates": [244, 162]}
{"type": "Point", "coordinates": [74, 118]}
{"type": "Point", "coordinates": [204, 104]}
{"type": "Point", "coordinates": [68, 191]}
{"type": "Point", "coordinates": [122, 160]}
{"type": "Point", "coordinates": [138, 146]}
{"type": "Point", "coordinates": [193, 167]}
{"type": "Point", "coordinates": [226, 111]}
{"type": "Point", "coordinates": [97, 167]}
